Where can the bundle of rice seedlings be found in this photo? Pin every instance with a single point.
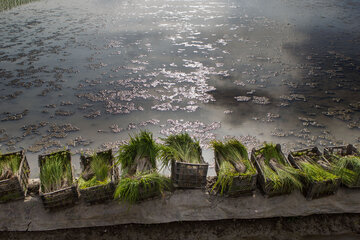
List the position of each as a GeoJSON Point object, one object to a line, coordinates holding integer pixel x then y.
{"type": "Point", "coordinates": [138, 163]}
{"type": "Point", "coordinates": [9, 165]}
{"type": "Point", "coordinates": [278, 174]}
{"type": "Point", "coordinates": [131, 189]}
{"type": "Point", "coordinates": [233, 162]}
{"type": "Point", "coordinates": [97, 173]}
{"type": "Point", "coordinates": [181, 148]}
{"type": "Point", "coordinates": [55, 173]}
{"type": "Point", "coordinates": [313, 168]}
{"type": "Point", "coordinates": [348, 169]}
{"type": "Point", "coordinates": [139, 154]}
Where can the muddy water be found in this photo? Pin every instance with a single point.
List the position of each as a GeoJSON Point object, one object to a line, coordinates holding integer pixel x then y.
{"type": "Point", "coordinates": [86, 74]}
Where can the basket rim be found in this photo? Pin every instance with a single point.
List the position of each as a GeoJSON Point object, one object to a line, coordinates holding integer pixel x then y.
{"type": "Point", "coordinates": [97, 186]}
{"type": "Point", "coordinates": [320, 154]}
{"type": "Point", "coordinates": [59, 190]}
{"type": "Point", "coordinates": [193, 164]}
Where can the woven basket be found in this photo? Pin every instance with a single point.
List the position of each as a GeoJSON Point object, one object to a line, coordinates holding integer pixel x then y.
{"type": "Point", "coordinates": [266, 185]}
{"type": "Point", "coordinates": [241, 185]}
{"type": "Point", "coordinates": [100, 193]}
{"type": "Point", "coordinates": [64, 197]}
{"type": "Point", "coordinates": [315, 189]}
{"type": "Point", "coordinates": [343, 151]}
{"type": "Point", "coordinates": [189, 175]}
{"type": "Point", "coordinates": [15, 188]}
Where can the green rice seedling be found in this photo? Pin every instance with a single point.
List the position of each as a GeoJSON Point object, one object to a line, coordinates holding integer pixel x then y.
{"type": "Point", "coordinates": [9, 165]}
{"type": "Point", "coordinates": [347, 168]}
{"type": "Point", "coordinates": [181, 148]}
{"type": "Point", "coordinates": [100, 168]}
{"type": "Point", "coordinates": [313, 172]}
{"type": "Point", "coordinates": [278, 174]}
{"type": "Point", "coordinates": [139, 154]}
{"type": "Point", "coordinates": [269, 151]}
{"type": "Point", "coordinates": [130, 189]}
{"type": "Point", "coordinates": [233, 159]}
{"type": "Point", "coordinates": [139, 176]}
{"type": "Point", "coordinates": [55, 173]}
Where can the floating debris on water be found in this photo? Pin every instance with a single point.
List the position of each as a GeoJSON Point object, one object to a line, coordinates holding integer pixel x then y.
{"type": "Point", "coordinates": [261, 100]}
{"type": "Point", "coordinates": [15, 116]}
{"type": "Point", "coordinates": [243, 98]}
{"type": "Point", "coordinates": [93, 114]}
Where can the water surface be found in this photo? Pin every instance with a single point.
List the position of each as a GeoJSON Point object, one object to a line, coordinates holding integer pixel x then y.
{"type": "Point", "coordinates": [85, 74]}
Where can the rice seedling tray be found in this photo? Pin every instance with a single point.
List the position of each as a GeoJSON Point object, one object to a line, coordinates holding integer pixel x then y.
{"type": "Point", "coordinates": [314, 189]}
{"type": "Point", "coordinates": [102, 192]}
{"type": "Point", "coordinates": [15, 187]}
{"type": "Point", "coordinates": [241, 185]}
{"type": "Point", "coordinates": [344, 150]}
{"type": "Point", "coordinates": [266, 185]}
{"type": "Point", "coordinates": [64, 197]}
{"type": "Point", "coordinates": [189, 175]}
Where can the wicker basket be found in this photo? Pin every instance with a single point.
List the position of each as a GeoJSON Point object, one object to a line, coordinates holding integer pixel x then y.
{"type": "Point", "coordinates": [266, 186]}
{"type": "Point", "coordinates": [189, 175]}
{"type": "Point", "coordinates": [343, 151]}
{"type": "Point", "coordinates": [241, 185]}
{"type": "Point", "coordinates": [100, 193]}
{"type": "Point", "coordinates": [15, 188]}
{"type": "Point", "coordinates": [64, 197]}
{"type": "Point", "coordinates": [315, 189]}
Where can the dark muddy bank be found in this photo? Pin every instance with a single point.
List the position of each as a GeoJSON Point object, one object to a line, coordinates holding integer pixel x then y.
{"type": "Point", "coordinates": [316, 227]}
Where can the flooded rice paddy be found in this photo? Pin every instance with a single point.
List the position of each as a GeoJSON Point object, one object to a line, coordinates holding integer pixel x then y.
{"type": "Point", "coordinates": [86, 74]}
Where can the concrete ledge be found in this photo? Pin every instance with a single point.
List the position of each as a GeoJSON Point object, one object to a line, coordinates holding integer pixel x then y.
{"type": "Point", "coordinates": [182, 205]}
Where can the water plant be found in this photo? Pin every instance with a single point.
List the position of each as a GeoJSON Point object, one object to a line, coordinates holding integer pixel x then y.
{"type": "Point", "coordinates": [182, 148]}
{"type": "Point", "coordinates": [278, 174]}
{"type": "Point", "coordinates": [9, 165]}
{"type": "Point", "coordinates": [233, 162]}
{"type": "Point", "coordinates": [55, 172]}
{"type": "Point", "coordinates": [97, 173]}
{"type": "Point", "coordinates": [138, 164]}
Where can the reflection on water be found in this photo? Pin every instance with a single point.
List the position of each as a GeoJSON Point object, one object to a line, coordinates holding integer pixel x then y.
{"type": "Point", "coordinates": [86, 73]}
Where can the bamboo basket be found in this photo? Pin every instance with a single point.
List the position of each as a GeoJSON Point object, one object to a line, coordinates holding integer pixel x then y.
{"type": "Point", "coordinates": [241, 185]}
{"type": "Point", "coordinates": [315, 189]}
{"type": "Point", "coordinates": [100, 193]}
{"type": "Point", "coordinates": [189, 175]}
{"type": "Point", "coordinates": [15, 188]}
{"type": "Point", "coordinates": [343, 151]}
{"type": "Point", "coordinates": [266, 186]}
{"type": "Point", "coordinates": [64, 197]}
